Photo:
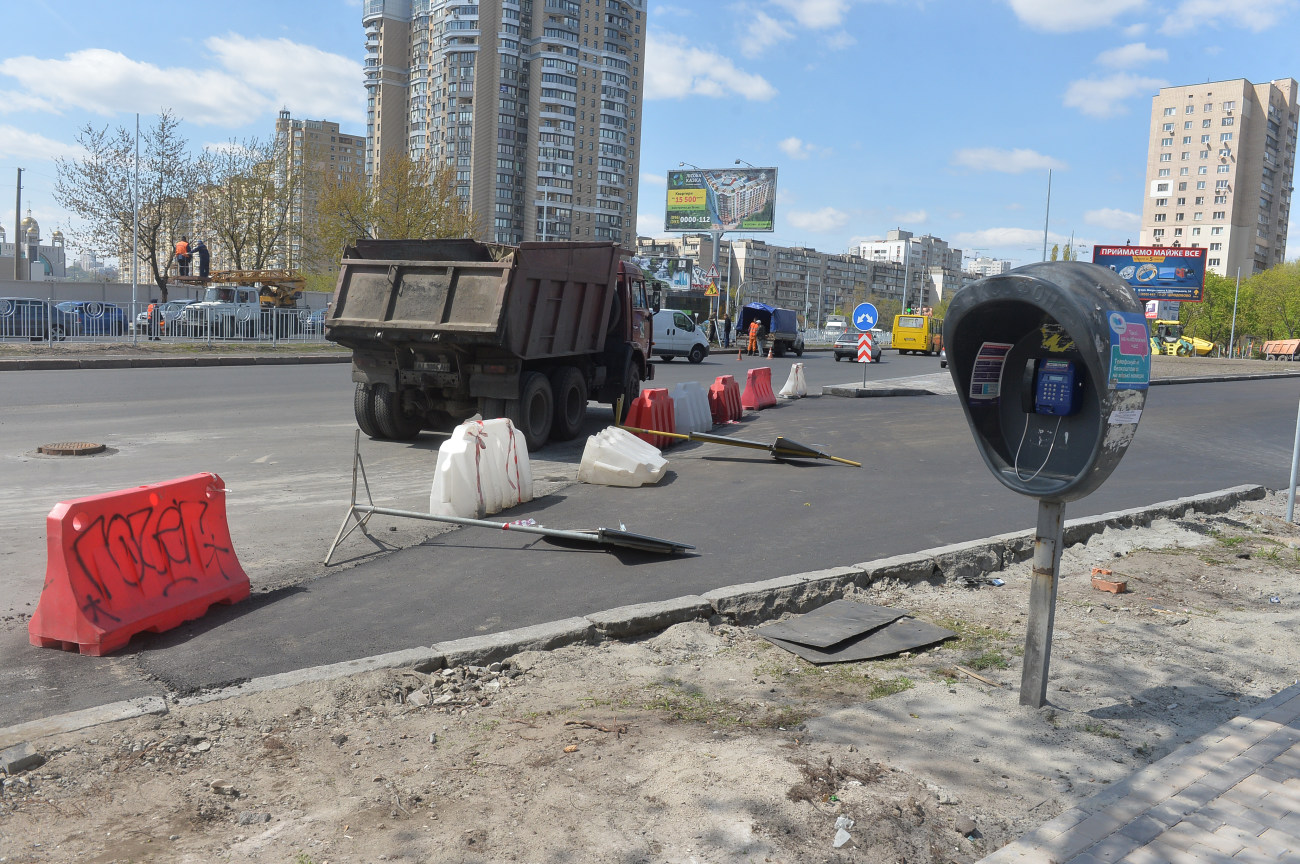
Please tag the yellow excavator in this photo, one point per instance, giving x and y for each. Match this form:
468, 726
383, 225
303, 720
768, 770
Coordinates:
1167, 338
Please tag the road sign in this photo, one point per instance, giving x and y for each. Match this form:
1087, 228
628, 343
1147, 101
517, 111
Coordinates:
713, 273
712, 290
864, 347
865, 316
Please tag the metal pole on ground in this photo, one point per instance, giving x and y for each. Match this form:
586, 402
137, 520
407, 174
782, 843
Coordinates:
1042, 603
18, 222
135, 236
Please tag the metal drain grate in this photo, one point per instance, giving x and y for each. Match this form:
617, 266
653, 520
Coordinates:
72, 448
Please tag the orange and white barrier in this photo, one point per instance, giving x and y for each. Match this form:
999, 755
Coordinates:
653, 409
147, 558
483, 468
724, 400
691, 408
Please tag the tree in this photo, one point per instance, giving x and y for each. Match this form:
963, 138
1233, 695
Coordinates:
1211, 319
1056, 252
410, 200
246, 201
1277, 294
98, 186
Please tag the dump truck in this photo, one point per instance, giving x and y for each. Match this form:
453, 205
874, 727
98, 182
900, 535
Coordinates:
1281, 349
441, 330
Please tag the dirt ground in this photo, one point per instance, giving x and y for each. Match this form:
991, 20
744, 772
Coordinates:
703, 743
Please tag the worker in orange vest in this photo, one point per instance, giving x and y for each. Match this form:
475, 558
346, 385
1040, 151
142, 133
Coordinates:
153, 320
183, 256
753, 337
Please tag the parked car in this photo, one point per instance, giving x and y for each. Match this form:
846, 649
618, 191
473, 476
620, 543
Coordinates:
29, 318
168, 313
314, 321
846, 345
93, 317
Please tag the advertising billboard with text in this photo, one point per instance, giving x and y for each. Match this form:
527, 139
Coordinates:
721, 199
1172, 273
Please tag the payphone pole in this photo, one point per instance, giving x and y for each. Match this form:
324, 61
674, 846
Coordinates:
1042, 603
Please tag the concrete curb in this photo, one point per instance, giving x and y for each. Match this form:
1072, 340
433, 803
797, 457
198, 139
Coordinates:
158, 362
745, 604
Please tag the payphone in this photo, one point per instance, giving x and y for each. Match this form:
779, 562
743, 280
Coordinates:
1051, 362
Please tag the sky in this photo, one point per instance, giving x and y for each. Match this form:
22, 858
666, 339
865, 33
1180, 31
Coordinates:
939, 117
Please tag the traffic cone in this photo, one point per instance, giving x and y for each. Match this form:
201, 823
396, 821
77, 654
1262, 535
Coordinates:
769, 351
740, 352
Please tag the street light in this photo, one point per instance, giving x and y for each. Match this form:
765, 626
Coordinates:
739, 161
689, 165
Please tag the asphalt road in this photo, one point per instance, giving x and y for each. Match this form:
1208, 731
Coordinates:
281, 438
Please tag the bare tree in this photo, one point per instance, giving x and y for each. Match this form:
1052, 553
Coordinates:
411, 199
246, 200
98, 186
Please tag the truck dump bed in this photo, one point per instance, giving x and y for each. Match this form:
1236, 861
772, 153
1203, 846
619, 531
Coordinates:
533, 301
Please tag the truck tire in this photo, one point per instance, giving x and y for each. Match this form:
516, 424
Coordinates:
696, 355
389, 416
778, 349
798, 352
363, 406
569, 391
631, 388
491, 409
534, 411
665, 357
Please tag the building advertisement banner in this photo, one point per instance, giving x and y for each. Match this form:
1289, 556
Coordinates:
721, 199
1169, 273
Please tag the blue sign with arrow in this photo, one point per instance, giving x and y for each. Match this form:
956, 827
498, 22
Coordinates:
865, 316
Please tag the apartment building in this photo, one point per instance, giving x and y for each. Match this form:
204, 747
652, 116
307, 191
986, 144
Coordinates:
536, 103
982, 267
793, 277
933, 268
1220, 169
313, 152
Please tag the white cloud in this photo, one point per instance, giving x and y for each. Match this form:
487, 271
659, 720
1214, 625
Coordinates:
1133, 31
1006, 161
1065, 16
309, 81
1113, 219
795, 148
1199, 15
654, 179
12, 101
816, 14
18, 143
1007, 239
1131, 55
912, 217
840, 40
261, 75
676, 70
649, 224
764, 31
1104, 97
825, 219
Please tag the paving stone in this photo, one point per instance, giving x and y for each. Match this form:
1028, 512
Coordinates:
20, 757
481, 650
625, 621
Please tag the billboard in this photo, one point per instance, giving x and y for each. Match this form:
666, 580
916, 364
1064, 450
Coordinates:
721, 199
1171, 273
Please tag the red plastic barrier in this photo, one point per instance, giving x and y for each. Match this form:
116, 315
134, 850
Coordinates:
147, 558
724, 400
758, 389
653, 409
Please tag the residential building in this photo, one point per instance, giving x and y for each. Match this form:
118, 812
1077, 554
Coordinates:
535, 102
312, 153
933, 267
814, 283
982, 267
1220, 170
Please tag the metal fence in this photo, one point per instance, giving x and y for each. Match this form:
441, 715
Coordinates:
32, 320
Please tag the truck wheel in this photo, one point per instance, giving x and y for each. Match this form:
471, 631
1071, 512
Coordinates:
363, 406
389, 417
696, 355
778, 349
491, 409
1184, 350
665, 357
798, 352
631, 389
533, 412
569, 390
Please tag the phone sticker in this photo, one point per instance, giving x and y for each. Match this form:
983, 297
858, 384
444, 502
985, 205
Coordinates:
1130, 351
986, 375
1118, 418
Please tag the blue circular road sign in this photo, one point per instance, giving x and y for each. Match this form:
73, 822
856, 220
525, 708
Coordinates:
865, 316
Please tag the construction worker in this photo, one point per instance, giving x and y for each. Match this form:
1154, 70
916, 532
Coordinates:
753, 337
199, 248
183, 256
153, 321
726, 331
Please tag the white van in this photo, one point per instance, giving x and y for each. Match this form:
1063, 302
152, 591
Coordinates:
676, 335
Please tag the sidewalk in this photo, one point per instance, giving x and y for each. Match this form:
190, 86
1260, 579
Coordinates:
1231, 795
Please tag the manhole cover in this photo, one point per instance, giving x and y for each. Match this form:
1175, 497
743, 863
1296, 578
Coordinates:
71, 448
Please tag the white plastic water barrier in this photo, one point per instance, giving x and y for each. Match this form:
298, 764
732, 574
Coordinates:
796, 386
616, 457
690, 408
482, 468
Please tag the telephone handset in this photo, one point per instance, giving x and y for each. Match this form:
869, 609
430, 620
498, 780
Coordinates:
1051, 387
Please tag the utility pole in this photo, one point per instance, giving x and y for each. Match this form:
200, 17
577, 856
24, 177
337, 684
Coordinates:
135, 234
1048, 216
18, 223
